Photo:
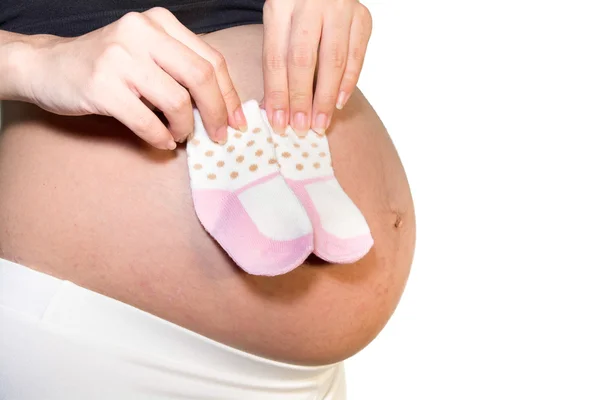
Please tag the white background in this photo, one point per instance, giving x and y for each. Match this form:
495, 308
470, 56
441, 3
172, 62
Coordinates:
494, 107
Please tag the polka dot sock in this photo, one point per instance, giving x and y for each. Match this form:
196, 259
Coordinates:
341, 232
243, 201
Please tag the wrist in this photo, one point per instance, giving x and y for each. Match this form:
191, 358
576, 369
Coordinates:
18, 64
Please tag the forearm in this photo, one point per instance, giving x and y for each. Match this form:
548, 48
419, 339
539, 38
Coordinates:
16, 63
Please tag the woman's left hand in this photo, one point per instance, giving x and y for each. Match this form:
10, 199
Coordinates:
298, 33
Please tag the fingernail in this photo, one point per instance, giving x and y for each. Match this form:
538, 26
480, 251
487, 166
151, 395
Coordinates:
221, 136
321, 123
171, 145
341, 100
279, 121
240, 119
300, 123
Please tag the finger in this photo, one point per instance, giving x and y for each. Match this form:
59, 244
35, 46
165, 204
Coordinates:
332, 63
302, 60
360, 32
127, 108
179, 32
163, 92
277, 19
199, 77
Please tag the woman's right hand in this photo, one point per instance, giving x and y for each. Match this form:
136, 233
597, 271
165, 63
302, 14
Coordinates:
142, 58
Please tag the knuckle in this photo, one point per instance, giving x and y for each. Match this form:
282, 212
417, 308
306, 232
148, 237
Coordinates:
268, 4
203, 72
350, 80
179, 101
364, 13
111, 57
144, 125
339, 4
159, 13
299, 97
337, 57
113, 52
326, 99
272, 7
268, 7
366, 19
356, 54
274, 62
277, 98
301, 56
218, 62
230, 95
132, 20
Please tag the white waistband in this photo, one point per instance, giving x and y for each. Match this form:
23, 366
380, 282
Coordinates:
82, 314
26, 290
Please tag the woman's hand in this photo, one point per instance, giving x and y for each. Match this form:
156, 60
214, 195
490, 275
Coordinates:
297, 34
141, 59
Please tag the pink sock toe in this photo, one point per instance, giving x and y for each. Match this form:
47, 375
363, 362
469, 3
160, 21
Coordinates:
328, 246
225, 218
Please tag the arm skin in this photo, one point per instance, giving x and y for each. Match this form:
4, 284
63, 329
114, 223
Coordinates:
14, 50
123, 70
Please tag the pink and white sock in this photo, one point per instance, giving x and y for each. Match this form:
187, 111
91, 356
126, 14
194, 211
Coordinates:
341, 232
243, 201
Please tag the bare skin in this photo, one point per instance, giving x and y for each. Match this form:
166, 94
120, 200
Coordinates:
83, 199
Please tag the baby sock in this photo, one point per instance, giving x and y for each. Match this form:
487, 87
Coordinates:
243, 201
341, 232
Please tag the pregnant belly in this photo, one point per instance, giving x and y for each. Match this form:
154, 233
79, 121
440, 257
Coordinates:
84, 200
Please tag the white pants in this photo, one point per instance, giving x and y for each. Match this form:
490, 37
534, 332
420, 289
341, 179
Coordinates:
59, 341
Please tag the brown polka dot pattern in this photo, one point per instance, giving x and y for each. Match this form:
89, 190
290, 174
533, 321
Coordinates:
303, 159
247, 156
